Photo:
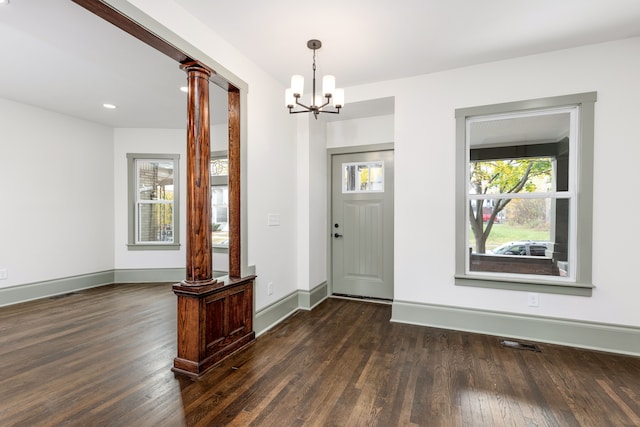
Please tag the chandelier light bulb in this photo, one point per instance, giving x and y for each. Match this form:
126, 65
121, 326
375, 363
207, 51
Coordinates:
297, 84
328, 85
338, 98
289, 99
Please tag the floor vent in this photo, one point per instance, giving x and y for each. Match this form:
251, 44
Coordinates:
519, 345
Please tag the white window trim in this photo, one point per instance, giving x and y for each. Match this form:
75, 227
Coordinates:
581, 189
132, 202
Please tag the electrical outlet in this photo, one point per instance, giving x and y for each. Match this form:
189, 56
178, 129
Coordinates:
4, 274
270, 288
533, 300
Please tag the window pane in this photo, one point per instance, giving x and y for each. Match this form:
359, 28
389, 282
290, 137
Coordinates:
362, 177
220, 214
219, 167
349, 178
155, 222
519, 236
532, 175
376, 177
155, 180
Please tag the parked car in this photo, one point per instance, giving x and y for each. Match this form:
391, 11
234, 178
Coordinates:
523, 248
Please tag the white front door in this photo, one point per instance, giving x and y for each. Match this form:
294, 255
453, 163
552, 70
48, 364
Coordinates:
362, 224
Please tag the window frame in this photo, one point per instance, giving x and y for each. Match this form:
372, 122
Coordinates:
132, 180
582, 281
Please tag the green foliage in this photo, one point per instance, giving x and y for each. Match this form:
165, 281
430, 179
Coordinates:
529, 212
508, 176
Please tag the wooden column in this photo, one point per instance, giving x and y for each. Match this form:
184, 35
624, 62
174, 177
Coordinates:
234, 182
199, 254
215, 318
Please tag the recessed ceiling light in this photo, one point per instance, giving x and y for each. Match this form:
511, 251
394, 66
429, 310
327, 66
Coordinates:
109, 106
4, 1
183, 88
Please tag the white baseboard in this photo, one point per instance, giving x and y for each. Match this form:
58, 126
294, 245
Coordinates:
307, 300
268, 317
48, 288
275, 313
588, 335
147, 275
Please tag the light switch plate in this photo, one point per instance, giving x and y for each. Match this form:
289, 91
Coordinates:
273, 220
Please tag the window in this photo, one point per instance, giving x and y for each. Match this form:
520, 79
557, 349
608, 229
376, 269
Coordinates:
363, 177
219, 200
524, 195
153, 201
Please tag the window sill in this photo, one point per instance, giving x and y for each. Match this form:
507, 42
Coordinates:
543, 286
159, 247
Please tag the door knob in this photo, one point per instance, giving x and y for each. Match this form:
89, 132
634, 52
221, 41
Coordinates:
337, 235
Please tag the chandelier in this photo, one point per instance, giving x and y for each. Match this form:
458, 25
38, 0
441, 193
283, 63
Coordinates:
318, 101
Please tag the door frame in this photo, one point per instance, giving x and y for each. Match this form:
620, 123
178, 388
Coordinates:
387, 146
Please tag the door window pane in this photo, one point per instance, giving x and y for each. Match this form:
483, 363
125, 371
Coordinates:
363, 177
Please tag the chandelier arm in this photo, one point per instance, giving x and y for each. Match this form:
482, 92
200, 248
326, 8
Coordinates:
302, 105
326, 103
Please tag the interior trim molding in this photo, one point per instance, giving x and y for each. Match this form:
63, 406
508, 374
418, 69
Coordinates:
582, 334
308, 300
269, 316
48, 288
143, 275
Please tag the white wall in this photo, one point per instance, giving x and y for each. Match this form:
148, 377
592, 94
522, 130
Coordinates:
56, 193
364, 131
147, 141
318, 227
311, 167
303, 197
271, 156
425, 163
154, 141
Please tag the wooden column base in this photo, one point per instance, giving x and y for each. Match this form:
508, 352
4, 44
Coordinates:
214, 321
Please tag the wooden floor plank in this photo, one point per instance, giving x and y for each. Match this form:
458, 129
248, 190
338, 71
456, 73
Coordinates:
103, 357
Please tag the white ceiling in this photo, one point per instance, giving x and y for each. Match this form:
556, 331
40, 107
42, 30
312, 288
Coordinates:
60, 57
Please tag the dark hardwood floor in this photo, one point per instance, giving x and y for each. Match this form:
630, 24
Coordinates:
103, 357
